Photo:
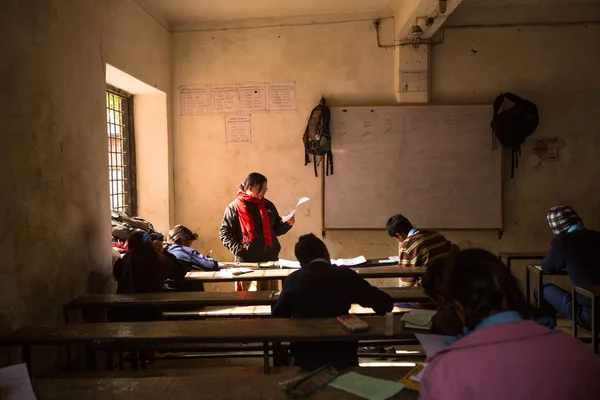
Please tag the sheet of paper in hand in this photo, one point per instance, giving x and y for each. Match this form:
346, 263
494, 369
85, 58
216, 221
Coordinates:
286, 217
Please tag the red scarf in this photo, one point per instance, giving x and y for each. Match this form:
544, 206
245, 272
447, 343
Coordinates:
246, 222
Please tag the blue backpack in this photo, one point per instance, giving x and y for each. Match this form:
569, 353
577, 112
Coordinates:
317, 139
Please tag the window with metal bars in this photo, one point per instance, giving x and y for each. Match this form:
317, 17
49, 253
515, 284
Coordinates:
121, 150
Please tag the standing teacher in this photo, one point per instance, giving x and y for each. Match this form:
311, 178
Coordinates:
251, 225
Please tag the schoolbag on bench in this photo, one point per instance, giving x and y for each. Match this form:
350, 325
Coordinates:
317, 139
513, 125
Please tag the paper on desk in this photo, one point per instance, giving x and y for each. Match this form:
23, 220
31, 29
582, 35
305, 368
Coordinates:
394, 258
367, 387
15, 383
286, 217
288, 264
431, 343
349, 261
420, 319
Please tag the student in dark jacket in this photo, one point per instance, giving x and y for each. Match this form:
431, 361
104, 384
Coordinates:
251, 225
139, 271
319, 289
575, 250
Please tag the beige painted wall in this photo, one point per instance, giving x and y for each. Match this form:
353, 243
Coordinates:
54, 214
555, 67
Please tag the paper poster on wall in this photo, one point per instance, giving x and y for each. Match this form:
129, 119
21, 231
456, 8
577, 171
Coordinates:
413, 81
253, 97
224, 98
194, 100
282, 96
238, 128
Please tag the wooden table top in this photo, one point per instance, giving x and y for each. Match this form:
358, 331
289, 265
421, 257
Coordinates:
277, 274
523, 255
590, 291
206, 299
221, 387
215, 331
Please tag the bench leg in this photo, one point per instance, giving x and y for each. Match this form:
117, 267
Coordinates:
574, 311
26, 356
595, 333
266, 358
120, 360
528, 286
540, 283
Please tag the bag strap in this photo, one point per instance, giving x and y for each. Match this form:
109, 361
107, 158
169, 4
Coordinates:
510, 96
315, 164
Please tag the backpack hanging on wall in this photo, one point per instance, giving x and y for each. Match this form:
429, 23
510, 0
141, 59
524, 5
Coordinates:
514, 125
317, 139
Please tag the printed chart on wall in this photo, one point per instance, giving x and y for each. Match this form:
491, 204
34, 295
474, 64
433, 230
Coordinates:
250, 97
238, 128
413, 81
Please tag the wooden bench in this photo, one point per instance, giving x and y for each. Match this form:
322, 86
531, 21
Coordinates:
508, 257
169, 301
539, 273
225, 386
136, 335
593, 293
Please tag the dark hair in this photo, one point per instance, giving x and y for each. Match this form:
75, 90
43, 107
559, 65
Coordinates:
398, 224
435, 278
310, 247
179, 234
481, 283
145, 266
254, 179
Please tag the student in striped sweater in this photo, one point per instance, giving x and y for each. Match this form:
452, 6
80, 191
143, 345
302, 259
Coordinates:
418, 247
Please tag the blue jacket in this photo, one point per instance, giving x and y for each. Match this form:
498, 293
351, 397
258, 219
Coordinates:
577, 253
193, 258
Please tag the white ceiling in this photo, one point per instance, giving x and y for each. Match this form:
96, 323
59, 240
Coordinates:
189, 11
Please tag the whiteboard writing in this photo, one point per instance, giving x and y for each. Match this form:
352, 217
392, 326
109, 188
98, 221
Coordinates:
253, 97
238, 128
282, 96
194, 100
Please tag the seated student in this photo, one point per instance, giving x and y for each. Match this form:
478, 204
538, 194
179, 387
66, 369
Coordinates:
173, 269
318, 290
180, 239
139, 271
418, 247
502, 354
575, 250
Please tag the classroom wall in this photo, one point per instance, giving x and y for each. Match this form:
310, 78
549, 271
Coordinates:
553, 66
54, 209
54, 212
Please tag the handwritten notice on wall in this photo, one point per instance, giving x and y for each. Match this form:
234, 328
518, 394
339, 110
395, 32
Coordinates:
195, 100
238, 128
238, 98
225, 99
253, 97
282, 96
413, 81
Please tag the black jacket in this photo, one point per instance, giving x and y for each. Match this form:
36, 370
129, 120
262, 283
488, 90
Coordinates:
231, 234
319, 290
578, 253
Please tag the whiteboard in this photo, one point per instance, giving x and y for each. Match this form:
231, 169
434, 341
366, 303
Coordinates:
437, 165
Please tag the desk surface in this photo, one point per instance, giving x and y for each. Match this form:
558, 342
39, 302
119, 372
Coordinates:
533, 255
277, 274
589, 291
538, 269
225, 386
206, 299
214, 331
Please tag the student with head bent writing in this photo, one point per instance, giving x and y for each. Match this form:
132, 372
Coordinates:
418, 247
502, 354
319, 289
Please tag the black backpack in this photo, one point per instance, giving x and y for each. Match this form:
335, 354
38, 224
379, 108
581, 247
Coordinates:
512, 126
317, 139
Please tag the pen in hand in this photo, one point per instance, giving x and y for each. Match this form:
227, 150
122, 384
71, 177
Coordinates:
208, 254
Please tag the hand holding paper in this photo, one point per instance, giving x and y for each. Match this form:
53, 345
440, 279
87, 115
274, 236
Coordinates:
290, 215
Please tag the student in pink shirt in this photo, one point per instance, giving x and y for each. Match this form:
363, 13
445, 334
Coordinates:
502, 354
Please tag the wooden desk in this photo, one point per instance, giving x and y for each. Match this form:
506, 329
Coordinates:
171, 300
593, 293
126, 335
508, 257
221, 387
281, 274
537, 270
